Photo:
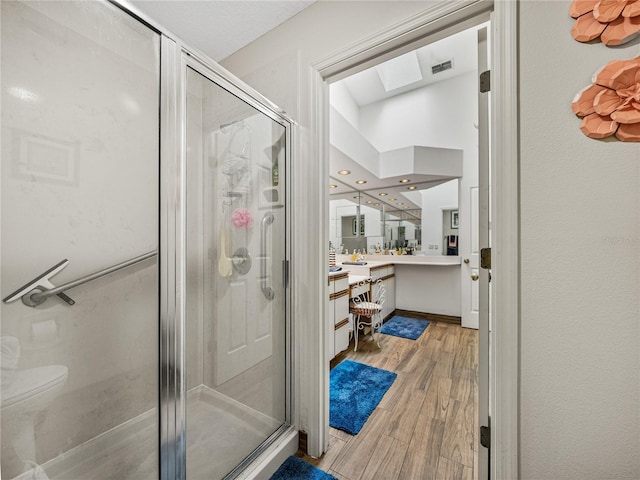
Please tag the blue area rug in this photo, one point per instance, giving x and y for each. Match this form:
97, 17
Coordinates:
295, 468
355, 391
404, 327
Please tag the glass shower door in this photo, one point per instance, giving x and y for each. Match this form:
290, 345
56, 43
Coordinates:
236, 300
79, 191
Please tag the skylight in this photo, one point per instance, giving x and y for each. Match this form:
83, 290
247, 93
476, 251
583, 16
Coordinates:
400, 71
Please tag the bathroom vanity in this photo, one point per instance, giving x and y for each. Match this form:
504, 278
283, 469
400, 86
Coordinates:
338, 313
351, 282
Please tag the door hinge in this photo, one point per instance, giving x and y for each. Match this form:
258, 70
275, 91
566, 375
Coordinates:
485, 81
485, 436
485, 258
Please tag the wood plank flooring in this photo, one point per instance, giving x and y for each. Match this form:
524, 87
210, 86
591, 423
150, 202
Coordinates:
425, 427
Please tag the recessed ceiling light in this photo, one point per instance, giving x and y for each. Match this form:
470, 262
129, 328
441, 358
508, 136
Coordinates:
412, 187
382, 194
369, 202
400, 203
361, 182
405, 180
333, 186
377, 204
392, 199
344, 172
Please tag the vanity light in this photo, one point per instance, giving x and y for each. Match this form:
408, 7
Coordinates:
344, 172
412, 187
405, 180
333, 186
361, 182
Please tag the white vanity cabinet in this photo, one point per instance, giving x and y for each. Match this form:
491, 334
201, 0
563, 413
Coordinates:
386, 273
338, 314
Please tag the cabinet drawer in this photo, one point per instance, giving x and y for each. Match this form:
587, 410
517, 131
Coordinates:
341, 306
341, 339
341, 284
378, 272
382, 271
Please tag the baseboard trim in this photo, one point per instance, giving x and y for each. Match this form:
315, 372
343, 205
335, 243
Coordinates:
302, 442
433, 317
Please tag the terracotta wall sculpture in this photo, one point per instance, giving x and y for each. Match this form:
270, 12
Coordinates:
611, 105
614, 22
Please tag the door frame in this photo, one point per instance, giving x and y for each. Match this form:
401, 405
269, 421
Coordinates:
438, 22
176, 56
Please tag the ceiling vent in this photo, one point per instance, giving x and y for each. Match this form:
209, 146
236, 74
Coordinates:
441, 67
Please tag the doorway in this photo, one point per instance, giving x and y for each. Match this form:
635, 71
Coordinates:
356, 109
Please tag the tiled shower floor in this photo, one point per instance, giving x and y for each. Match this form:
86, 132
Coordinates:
220, 433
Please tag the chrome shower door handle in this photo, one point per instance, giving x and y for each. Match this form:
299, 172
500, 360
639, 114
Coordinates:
38, 285
40, 288
264, 223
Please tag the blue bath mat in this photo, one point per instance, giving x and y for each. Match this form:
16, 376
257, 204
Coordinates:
404, 327
294, 468
355, 391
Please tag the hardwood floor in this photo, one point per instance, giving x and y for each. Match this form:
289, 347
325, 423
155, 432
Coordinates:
426, 425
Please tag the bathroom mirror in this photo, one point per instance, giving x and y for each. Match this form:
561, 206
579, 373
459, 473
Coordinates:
392, 217
360, 221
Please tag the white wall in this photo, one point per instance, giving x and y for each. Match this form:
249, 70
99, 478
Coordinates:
343, 102
579, 391
438, 115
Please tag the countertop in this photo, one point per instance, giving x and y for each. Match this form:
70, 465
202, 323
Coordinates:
374, 261
379, 260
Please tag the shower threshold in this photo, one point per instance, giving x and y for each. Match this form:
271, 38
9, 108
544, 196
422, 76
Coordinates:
221, 432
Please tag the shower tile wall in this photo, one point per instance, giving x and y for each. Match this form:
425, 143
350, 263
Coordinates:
79, 180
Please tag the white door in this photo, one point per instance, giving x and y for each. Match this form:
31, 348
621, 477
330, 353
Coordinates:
481, 240
470, 257
469, 222
471, 204
244, 219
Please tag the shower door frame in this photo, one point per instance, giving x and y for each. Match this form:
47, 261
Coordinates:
176, 57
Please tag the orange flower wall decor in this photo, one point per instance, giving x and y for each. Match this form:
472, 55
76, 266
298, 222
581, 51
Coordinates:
611, 105
614, 21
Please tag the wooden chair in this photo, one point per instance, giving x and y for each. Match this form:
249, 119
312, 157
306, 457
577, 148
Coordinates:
368, 312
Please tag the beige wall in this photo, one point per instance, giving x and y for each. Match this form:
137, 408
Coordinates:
579, 413
579, 390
